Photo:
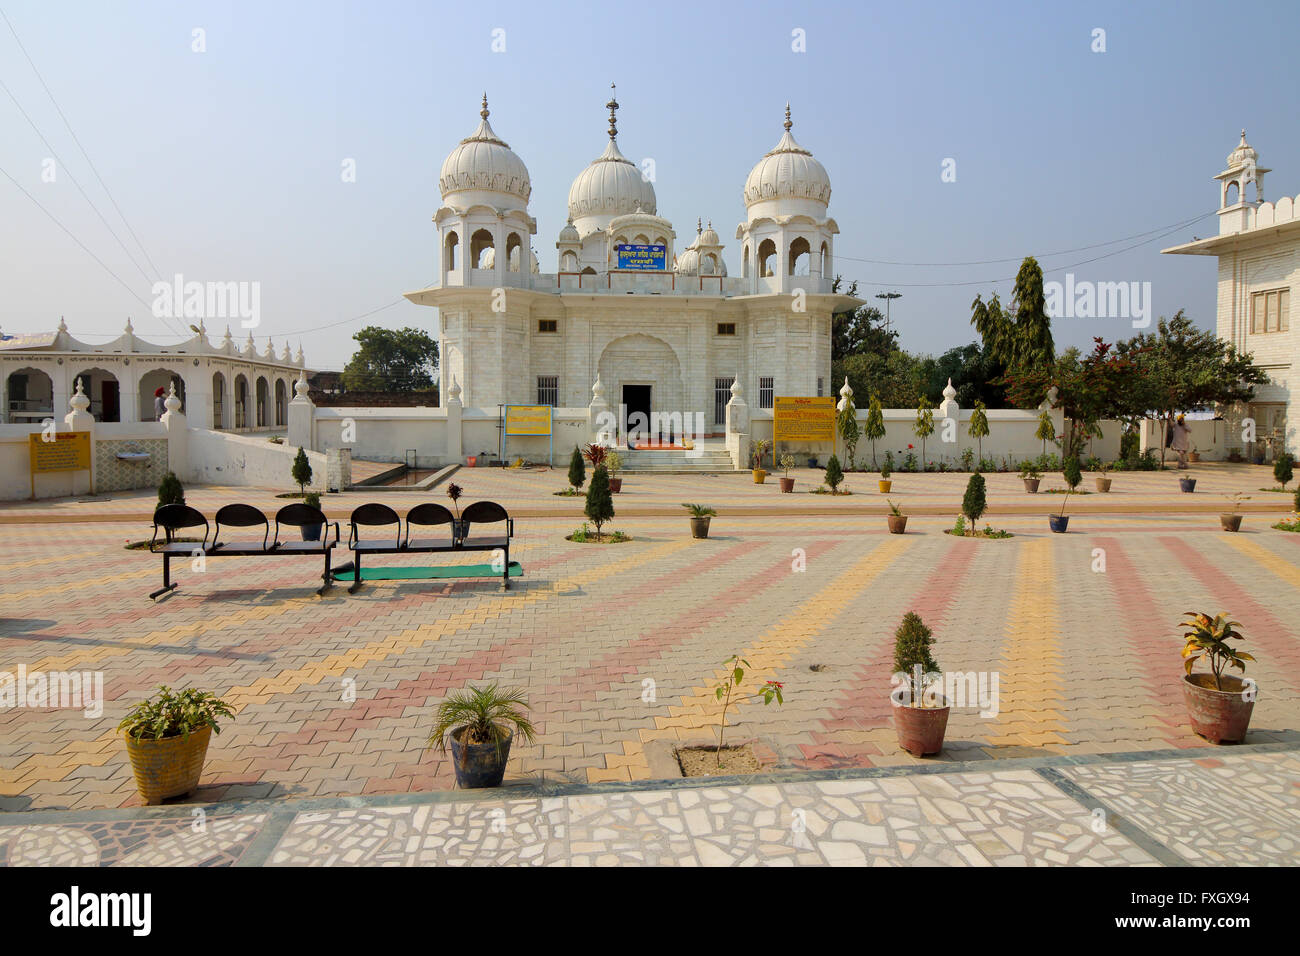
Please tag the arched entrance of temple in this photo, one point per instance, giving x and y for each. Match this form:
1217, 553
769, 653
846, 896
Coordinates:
642, 373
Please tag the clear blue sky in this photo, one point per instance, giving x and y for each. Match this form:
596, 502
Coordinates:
227, 163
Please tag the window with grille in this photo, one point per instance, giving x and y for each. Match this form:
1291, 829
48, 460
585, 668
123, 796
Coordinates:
820, 387
765, 389
726, 328
1270, 311
548, 325
721, 395
548, 390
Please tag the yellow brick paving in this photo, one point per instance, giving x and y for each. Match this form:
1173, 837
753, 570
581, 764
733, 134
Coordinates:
1271, 561
1030, 660
699, 708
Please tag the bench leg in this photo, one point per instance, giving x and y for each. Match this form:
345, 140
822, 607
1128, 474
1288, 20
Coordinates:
505, 575
167, 578
356, 570
326, 577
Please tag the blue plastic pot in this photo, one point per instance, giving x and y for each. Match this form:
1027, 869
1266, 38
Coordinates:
1058, 523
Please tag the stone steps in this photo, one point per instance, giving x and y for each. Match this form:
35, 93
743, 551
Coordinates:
676, 460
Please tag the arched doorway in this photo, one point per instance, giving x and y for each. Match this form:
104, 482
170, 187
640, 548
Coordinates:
281, 403
241, 401
153, 380
263, 400
218, 401
643, 374
101, 387
30, 396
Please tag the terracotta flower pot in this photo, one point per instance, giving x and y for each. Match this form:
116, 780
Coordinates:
759, 475
921, 729
699, 527
1031, 485
1230, 522
1187, 485
897, 523
885, 484
1194, 456
479, 765
471, 460
1217, 715
787, 485
615, 485
1103, 484
1058, 523
170, 767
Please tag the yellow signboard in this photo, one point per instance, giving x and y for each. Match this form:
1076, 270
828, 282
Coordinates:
66, 451
803, 419
528, 419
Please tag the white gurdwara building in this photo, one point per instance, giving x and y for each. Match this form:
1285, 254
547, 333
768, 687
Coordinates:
665, 329
1258, 248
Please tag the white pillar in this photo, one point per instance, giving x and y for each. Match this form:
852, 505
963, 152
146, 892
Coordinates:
455, 446
302, 415
738, 427
178, 448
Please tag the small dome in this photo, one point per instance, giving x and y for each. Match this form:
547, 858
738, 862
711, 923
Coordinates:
708, 237
688, 263
484, 162
1243, 153
788, 171
569, 233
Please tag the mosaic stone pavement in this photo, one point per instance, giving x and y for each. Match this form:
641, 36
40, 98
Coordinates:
1239, 809
618, 648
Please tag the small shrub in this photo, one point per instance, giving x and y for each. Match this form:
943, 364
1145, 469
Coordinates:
959, 526
488, 715
180, 714
301, 471
577, 470
834, 474
170, 491
973, 504
311, 498
967, 459
1282, 468
1072, 473
912, 658
600, 502
909, 462
887, 468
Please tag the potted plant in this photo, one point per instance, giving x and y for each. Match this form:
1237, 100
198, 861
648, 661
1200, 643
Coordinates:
167, 740
481, 724
700, 515
1031, 476
471, 461
757, 451
1218, 706
886, 470
311, 532
920, 709
1187, 485
1073, 475
897, 520
1194, 455
613, 465
812, 461
1103, 482
1231, 521
787, 483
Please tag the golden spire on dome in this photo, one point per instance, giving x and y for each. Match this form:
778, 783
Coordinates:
612, 105
484, 111
788, 124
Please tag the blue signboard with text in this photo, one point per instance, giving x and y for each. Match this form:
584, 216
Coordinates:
642, 258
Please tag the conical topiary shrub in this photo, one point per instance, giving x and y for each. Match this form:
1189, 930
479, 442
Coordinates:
170, 490
577, 470
600, 502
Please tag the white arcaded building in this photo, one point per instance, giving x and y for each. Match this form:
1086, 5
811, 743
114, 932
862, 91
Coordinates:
665, 328
1258, 248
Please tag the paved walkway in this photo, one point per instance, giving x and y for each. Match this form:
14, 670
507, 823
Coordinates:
1240, 807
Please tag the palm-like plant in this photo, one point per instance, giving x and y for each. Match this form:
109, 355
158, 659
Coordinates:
487, 714
1208, 638
700, 511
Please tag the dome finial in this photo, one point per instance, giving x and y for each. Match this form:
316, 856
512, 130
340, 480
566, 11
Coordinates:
484, 111
788, 124
699, 225
612, 105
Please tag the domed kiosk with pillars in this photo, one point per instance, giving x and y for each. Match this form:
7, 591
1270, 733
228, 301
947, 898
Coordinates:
666, 331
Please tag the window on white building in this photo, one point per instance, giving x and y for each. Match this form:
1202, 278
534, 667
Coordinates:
765, 389
548, 325
1270, 311
548, 390
726, 328
721, 395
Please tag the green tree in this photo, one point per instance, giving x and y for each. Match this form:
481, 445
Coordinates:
1071, 472
170, 491
847, 422
834, 474
973, 504
577, 470
875, 425
923, 427
1282, 470
979, 426
912, 643
301, 470
600, 502
1034, 347
391, 360
1046, 430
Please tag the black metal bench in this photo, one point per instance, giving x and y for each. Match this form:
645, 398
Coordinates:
172, 518
425, 516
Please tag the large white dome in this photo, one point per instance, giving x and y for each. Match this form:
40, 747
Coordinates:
788, 171
611, 186
483, 162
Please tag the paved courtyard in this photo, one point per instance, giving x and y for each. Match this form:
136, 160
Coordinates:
618, 648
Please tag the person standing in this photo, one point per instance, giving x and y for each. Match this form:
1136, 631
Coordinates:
159, 405
1181, 442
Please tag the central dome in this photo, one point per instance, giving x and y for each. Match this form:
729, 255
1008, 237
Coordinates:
611, 186
483, 162
788, 171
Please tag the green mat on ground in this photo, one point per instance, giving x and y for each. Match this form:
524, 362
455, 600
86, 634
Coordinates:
447, 571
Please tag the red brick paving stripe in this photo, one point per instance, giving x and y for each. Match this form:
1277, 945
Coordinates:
1280, 653
865, 704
